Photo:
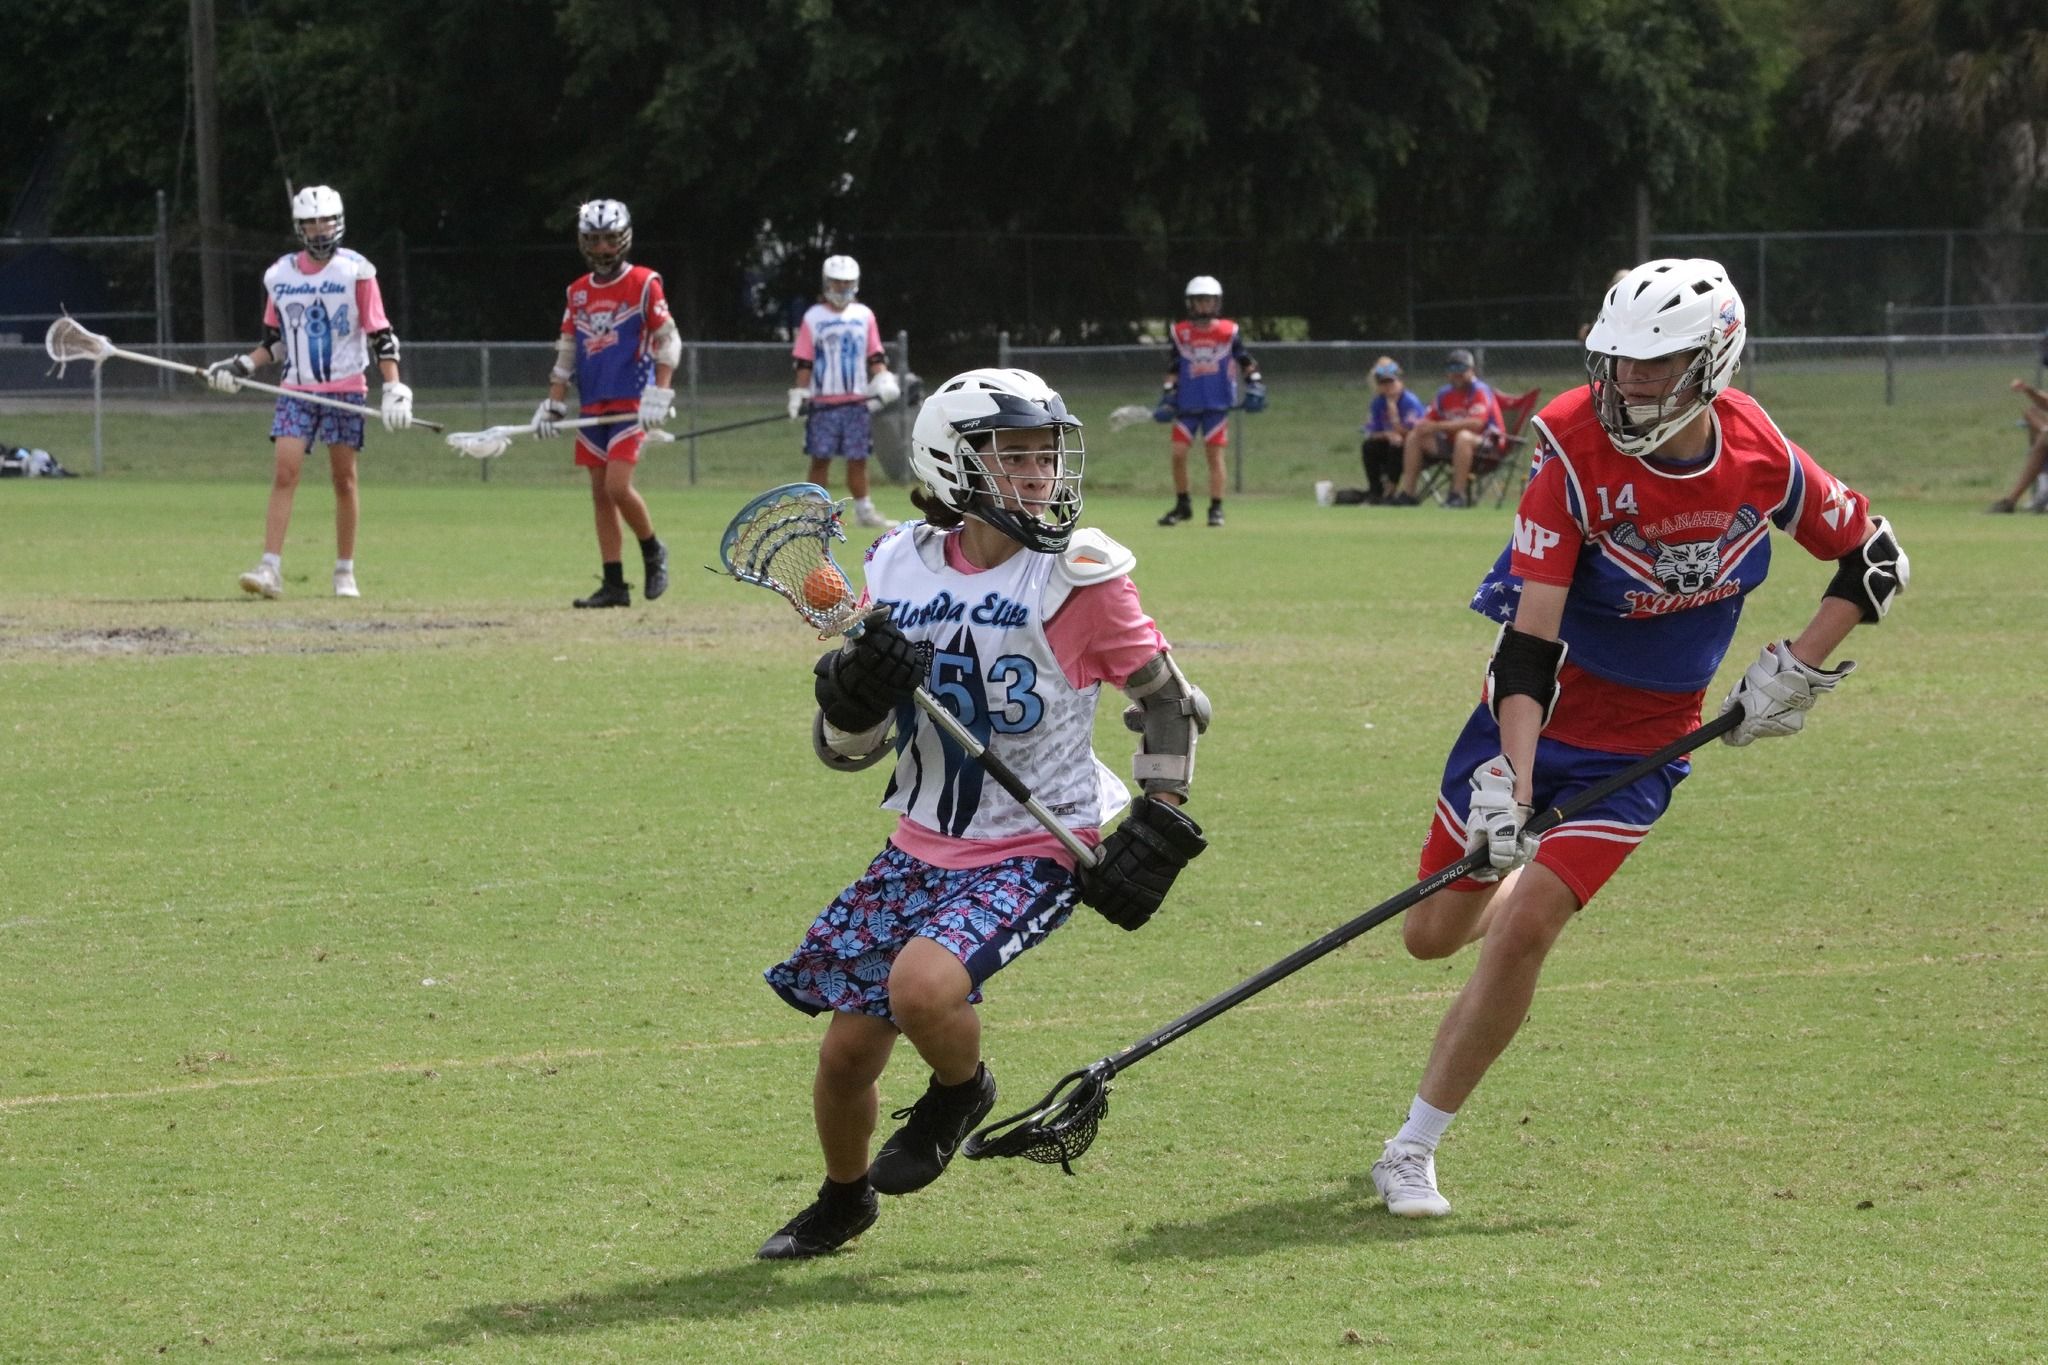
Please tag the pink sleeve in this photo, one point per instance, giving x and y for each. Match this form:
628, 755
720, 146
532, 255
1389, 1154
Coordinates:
805, 349
370, 305
1102, 634
270, 318
874, 336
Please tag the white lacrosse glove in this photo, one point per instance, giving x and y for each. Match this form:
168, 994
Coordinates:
798, 398
1494, 820
1776, 693
550, 411
397, 406
226, 376
655, 403
883, 390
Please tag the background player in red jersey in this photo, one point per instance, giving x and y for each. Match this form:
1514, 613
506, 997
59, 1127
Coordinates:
1207, 360
620, 346
1645, 524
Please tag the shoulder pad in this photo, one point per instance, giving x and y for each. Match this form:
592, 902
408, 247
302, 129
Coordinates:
928, 540
1092, 557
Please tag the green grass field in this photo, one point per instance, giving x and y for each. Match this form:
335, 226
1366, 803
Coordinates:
381, 979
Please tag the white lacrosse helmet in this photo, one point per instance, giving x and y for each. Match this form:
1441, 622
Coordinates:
953, 438
1204, 287
310, 204
841, 279
604, 234
1662, 308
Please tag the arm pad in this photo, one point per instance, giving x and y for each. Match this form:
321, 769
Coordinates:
668, 345
1169, 713
384, 345
1524, 665
1873, 573
847, 753
565, 361
273, 344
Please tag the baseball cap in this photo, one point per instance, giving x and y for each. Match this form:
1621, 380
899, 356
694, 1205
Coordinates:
1460, 359
1386, 369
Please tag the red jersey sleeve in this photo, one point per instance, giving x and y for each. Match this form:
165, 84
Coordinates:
1828, 517
1548, 536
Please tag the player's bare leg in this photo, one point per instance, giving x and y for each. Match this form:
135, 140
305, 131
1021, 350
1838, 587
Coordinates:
857, 479
341, 464
1182, 509
626, 503
610, 540
284, 486
928, 990
1495, 1000
1447, 921
845, 1102
820, 471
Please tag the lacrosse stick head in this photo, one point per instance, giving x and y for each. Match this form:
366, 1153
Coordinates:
481, 445
68, 340
782, 541
1056, 1130
1129, 415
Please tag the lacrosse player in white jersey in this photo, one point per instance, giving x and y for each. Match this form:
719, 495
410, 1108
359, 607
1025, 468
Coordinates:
323, 320
1012, 617
842, 377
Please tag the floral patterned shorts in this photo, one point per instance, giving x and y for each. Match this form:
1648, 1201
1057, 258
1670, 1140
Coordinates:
318, 424
984, 916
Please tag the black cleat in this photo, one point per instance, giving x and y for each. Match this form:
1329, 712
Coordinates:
1177, 514
828, 1224
657, 572
608, 595
1216, 515
919, 1152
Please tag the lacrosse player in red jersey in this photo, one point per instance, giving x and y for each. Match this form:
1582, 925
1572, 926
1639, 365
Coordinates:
1645, 524
620, 347
1203, 369
1014, 619
323, 320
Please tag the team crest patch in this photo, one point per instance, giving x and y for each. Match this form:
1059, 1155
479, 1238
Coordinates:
1688, 572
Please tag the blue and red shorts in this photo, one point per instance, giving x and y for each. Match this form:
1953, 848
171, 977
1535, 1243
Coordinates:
613, 443
984, 916
842, 429
318, 424
1210, 428
1585, 850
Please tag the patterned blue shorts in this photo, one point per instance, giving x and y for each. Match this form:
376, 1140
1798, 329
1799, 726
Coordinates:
984, 916
318, 424
839, 429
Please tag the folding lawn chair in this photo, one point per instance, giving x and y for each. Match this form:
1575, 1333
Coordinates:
1498, 469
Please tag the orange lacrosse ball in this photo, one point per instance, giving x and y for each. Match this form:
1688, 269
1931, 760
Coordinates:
824, 588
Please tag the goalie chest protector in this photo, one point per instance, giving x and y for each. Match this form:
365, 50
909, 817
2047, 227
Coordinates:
993, 668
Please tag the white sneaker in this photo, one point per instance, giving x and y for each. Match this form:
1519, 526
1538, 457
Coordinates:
869, 516
263, 581
345, 583
1405, 1176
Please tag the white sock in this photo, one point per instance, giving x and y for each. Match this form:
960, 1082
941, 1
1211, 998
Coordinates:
344, 566
271, 561
1425, 1125
864, 504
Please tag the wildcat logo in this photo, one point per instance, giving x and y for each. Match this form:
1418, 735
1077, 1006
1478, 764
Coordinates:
599, 332
1692, 572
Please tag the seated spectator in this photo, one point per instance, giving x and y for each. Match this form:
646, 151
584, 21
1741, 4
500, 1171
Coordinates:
1464, 421
1393, 413
2036, 417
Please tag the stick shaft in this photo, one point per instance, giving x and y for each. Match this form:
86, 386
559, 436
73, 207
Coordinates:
321, 400
1421, 891
1005, 778
729, 426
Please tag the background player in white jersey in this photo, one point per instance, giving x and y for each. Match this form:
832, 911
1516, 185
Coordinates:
620, 347
1014, 619
1646, 523
842, 376
323, 320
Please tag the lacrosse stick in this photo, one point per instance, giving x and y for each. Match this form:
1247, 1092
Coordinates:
782, 541
492, 442
1060, 1127
68, 341
1129, 415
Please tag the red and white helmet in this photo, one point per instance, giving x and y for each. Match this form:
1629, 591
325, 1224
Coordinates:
604, 234
841, 279
317, 204
952, 446
1662, 308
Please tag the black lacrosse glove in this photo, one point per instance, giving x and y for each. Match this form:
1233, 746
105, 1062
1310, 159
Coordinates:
860, 684
1135, 866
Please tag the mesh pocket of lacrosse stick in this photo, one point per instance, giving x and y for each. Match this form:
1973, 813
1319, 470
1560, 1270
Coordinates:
1055, 1131
68, 340
782, 541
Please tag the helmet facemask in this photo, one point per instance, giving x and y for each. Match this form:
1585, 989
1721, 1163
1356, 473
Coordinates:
840, 293
319, 236
1035, 507
1213, 308
605, 251
1639, 428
